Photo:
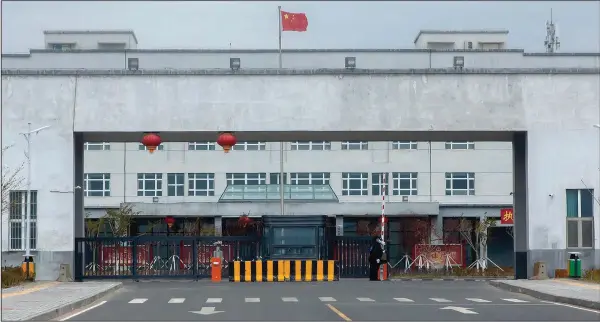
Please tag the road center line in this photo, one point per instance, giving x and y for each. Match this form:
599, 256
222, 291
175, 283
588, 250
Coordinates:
83, 311
338, 312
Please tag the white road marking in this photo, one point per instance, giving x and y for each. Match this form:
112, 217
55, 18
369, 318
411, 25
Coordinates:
83, 311
515, 301
327, 299
365, 299
573, 306
478, 300
459, 309
402, 299
138, 301
289, 299
440, 300
177, 300
214, 300
252, 300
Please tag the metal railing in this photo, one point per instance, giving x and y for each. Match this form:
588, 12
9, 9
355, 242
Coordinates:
158, 256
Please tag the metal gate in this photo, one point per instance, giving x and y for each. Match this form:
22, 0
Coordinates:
157, 256
352, 254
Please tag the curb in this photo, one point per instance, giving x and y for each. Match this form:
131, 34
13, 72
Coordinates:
547, 297
68, 308
481, 279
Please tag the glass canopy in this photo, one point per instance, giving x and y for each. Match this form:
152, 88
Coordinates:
270, 192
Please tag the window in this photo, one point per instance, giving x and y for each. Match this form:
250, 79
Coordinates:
201, 146
310, 145
274, 178
97, 184
460, 184
250, 146
175, 185
17, 219
145, 148
62, 47
460, 145
377, 184
104, 146
355, 184
309, 178
404, 183
250, 179
404, 145
299, 242
201, 184
580, 218
111, 46
355, 145
150, 184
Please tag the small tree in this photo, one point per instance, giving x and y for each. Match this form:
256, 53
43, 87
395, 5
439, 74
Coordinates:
119, 220
11, 180
476, 233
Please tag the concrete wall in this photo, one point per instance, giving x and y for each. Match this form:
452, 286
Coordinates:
459, 39
87, 40
558, 112
296, 59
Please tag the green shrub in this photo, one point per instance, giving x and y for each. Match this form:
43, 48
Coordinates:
12, 276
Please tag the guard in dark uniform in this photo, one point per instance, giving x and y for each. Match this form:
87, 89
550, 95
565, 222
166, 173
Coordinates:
375, 254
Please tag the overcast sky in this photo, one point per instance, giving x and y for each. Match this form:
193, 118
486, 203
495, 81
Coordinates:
335, 24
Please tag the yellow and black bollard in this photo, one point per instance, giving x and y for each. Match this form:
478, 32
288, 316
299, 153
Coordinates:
28, 268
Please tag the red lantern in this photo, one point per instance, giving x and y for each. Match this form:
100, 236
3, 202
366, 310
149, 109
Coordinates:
226, 140
151, 141
244, 220
170, 221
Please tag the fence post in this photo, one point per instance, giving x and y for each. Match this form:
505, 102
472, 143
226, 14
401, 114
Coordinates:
134, 257
77, 262
195, 257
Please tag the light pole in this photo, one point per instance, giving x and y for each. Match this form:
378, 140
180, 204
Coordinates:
27, 135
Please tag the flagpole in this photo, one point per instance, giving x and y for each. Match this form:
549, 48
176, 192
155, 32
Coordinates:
281, 145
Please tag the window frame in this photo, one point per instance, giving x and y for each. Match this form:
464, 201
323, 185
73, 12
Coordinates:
207, 178
314, 178
405, 145
377, 187
175, 184
158, 184
310, 145
202, 146
347, 179
460, 145
355, 145
250, 146
580, 220
93, 146
275, 175
17, 220
469, 176
399, 177
233, 181
142, 147
105, 179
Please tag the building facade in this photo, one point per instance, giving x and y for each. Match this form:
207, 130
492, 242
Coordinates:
441, 181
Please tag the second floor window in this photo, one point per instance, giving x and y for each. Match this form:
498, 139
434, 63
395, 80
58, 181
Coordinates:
97, 146
250, 146
377, 184
201, 146
149, 184
460, 145
460, 184
355, 145
201, 184
404, 145
175, 184
310, 145
145, 148
97, 184
404, 183
309, 178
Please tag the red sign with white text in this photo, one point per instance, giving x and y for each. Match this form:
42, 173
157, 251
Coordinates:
507, 216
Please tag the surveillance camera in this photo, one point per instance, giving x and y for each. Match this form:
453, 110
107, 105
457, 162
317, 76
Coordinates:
550, 195
77, 187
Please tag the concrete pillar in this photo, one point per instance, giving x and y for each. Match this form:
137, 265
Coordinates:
218, 226
437, 230
339, 225
519, 147
78, 206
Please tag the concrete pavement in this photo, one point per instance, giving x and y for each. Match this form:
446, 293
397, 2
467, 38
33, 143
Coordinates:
346, 300
557, 290
47, 300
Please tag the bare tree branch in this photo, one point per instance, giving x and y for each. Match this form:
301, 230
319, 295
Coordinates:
11, 180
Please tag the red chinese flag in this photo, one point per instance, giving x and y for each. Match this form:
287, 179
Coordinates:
293, 21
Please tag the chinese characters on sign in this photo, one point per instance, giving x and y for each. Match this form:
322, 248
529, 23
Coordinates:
506, 216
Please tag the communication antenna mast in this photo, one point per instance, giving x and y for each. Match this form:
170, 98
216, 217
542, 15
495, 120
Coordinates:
552, 42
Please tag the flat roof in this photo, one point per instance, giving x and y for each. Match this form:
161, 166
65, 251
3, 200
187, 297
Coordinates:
467, 31
92, 32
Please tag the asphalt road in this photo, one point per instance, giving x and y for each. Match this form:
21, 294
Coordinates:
347, 300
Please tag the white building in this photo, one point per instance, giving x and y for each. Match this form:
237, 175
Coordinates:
340, 177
